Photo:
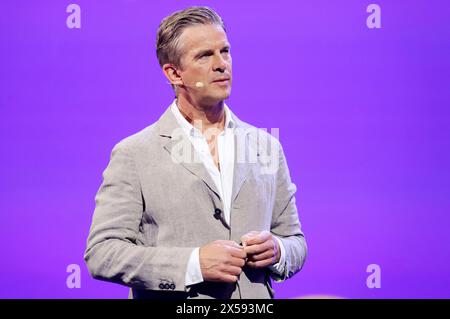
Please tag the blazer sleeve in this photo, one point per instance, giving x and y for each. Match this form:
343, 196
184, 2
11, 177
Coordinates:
285, 221
115, 250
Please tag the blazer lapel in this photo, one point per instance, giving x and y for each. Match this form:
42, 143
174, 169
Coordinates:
181, 149
242, 156
184, 153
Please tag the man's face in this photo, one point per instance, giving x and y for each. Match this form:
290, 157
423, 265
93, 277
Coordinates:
205, 58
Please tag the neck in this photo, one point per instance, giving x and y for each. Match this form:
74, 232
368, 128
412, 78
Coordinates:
202, 117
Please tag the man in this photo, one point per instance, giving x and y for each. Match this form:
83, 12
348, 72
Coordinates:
199, 204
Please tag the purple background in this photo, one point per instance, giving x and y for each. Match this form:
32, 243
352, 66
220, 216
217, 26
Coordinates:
363, 115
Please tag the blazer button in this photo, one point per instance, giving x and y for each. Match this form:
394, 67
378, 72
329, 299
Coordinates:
161, 286
172, 286
217, 213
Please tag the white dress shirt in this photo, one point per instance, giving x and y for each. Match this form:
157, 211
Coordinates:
222, 178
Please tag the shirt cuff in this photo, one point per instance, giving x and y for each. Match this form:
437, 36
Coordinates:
194, 273
280, 266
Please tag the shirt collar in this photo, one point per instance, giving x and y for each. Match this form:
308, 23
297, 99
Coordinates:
190, 129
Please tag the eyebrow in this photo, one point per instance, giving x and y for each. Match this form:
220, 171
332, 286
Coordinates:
209, 51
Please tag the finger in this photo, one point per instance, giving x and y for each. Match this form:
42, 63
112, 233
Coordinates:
231, 243
276, 250
237, 262
248, 235
232, 270
228, 278
268, 254
258, 249
254, 249
237, 252
259, 238
260, 263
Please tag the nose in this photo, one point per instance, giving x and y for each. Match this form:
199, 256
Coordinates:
220, 64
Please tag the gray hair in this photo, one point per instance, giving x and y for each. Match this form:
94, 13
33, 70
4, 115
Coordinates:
171, 28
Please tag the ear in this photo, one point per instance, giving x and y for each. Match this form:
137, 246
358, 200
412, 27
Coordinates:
172, 74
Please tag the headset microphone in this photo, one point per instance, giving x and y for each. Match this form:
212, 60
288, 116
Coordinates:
198, 85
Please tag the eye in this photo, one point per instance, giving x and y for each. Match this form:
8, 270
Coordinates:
204, 56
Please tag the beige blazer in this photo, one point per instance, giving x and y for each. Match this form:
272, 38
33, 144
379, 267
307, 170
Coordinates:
157, 203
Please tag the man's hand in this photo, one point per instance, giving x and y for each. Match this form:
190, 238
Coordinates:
262, 249
222, 260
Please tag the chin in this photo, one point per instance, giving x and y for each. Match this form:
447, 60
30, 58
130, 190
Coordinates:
218, 97
224, 94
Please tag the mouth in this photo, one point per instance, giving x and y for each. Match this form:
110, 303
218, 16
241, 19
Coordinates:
222, 81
